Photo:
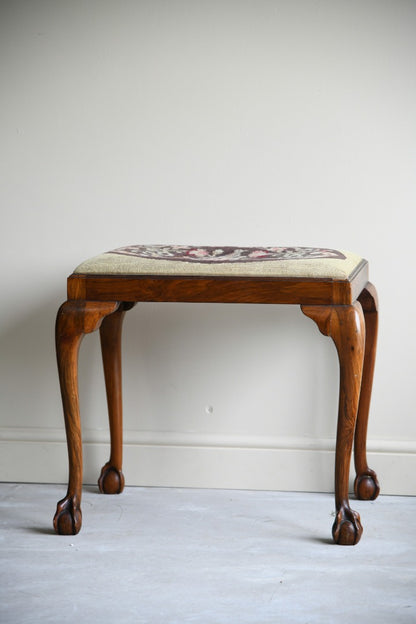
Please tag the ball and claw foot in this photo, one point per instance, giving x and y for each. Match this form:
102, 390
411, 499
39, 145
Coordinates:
366, 486
68, 516
111, 480
347, 529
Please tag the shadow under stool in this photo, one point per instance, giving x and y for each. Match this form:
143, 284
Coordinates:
331, 287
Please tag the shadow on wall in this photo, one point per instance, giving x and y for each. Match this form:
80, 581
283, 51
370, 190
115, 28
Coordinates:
262, 369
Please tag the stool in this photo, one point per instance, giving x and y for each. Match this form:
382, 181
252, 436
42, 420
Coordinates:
331, 287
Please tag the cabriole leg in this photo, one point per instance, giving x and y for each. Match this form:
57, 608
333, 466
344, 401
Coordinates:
75, 319
111, 480
366, 486
345, 325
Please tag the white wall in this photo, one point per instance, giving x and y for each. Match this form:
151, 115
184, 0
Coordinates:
236, 122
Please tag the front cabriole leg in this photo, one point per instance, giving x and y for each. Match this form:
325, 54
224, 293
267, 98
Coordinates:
75, 319
345, 325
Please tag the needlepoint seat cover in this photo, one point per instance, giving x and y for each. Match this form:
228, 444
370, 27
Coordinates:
301, 262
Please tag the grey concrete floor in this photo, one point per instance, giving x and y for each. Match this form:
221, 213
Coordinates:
158, 555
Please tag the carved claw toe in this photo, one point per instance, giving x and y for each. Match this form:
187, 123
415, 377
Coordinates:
366, 486
111, 480
68, 516
347, 529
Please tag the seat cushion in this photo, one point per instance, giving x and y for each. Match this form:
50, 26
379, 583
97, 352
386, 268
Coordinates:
298, 262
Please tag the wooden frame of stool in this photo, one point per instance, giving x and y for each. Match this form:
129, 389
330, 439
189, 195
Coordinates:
344, 309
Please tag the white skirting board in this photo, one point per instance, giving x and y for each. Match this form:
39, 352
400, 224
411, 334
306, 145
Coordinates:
192, 460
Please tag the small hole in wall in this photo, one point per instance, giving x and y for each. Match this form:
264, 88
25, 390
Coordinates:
209, 409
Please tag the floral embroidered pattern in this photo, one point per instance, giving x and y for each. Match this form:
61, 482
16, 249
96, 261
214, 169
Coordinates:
210, 255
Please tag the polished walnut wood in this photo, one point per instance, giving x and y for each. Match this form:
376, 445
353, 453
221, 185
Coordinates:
111, 480
345, 325
345, 310
195, 289
74, 320
366, 486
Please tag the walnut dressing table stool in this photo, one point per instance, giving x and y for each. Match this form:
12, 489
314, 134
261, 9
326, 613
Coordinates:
331, 287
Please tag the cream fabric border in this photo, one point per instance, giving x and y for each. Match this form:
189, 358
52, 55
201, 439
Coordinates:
115, 264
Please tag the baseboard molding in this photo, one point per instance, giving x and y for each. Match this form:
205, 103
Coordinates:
206, 461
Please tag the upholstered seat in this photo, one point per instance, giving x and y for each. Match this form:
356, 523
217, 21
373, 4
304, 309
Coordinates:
331, 287
309, 262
